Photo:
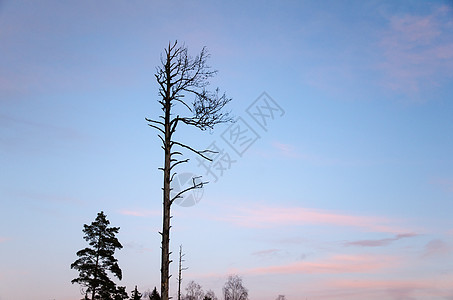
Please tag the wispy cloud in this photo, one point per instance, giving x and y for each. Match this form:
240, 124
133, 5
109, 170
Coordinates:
267, 252
138, 247
333, 265
260, 216
395, 289
3, 239
140, 213
286, 150
380, 242
418, 51
444, 183
436, 248
290, 151
24, 135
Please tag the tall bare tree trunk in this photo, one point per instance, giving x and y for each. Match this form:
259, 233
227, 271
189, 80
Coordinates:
165, 277
178, 76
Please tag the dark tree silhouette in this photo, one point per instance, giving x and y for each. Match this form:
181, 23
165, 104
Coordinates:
154, 295
118, 294
210, 295
234, 289
135, 294
178, 77
94, 261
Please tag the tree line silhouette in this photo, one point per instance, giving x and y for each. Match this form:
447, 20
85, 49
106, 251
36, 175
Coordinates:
96, 265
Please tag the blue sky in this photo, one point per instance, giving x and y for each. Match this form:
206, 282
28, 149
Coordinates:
346, 194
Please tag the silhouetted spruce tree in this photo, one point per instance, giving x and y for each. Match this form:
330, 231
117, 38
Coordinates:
116, 293
154, 295
135, 294
94, 261
179, 77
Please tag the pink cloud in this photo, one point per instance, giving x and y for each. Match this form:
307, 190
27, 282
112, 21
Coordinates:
334, 265
436, 248
418, 51
348, 277
141, 213
3, 239
414, 29
270, 216
428, 288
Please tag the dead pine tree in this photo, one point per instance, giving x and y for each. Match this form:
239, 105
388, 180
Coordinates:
180, 269
179, 77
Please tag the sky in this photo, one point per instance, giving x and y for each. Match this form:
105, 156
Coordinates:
340, 185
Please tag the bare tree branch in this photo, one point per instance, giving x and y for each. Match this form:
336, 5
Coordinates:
200, 153
179, 162
194, 186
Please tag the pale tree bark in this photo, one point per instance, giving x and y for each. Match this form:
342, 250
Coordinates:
179, 77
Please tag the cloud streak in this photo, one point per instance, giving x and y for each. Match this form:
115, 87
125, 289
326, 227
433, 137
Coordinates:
339, 264
436, 248
267, 252
429, 288
380, 242
271, 216
137, 247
